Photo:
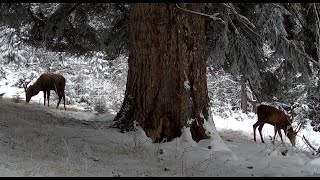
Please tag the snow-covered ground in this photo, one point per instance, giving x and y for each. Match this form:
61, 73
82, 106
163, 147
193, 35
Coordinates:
43, 141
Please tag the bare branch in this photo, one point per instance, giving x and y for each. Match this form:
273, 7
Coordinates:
299, 126
317, 151
213, 17
233, 26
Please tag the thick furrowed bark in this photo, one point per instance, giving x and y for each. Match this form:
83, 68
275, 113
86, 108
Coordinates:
166, 83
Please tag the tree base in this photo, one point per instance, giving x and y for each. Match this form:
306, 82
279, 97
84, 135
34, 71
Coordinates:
198, 132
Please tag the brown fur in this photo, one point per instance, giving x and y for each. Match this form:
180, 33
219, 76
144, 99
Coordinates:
45, 83
277, 118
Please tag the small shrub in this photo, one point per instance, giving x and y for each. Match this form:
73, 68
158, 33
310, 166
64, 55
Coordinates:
100, 105
16, 98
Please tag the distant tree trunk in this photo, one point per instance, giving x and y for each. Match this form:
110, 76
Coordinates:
166, 84
254, 98
244, 97
254, 107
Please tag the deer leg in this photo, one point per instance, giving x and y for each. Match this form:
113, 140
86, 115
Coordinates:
279, 131
48, 92
44, 97
275, 133
64, 100
60, 97
258, 123
260, 131
254, 130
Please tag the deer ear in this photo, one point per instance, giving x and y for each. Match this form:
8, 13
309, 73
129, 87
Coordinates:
25, 87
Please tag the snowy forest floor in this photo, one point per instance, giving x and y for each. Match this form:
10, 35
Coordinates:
44, 141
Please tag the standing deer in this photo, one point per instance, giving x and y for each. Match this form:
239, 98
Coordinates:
45, 83
277, 118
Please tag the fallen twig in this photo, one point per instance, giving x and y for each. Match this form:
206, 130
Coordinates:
317, 151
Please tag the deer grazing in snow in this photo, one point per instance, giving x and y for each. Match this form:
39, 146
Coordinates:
45, 83
277, 118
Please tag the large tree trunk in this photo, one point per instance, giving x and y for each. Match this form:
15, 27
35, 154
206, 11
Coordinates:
166, 84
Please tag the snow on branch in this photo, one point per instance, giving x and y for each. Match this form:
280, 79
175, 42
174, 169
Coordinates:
317, 29
245, 23
282, 9
290, 42
233, 26
242, 18
213, 17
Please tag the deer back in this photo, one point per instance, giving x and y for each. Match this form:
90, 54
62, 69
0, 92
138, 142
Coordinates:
50, 82
272, 116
